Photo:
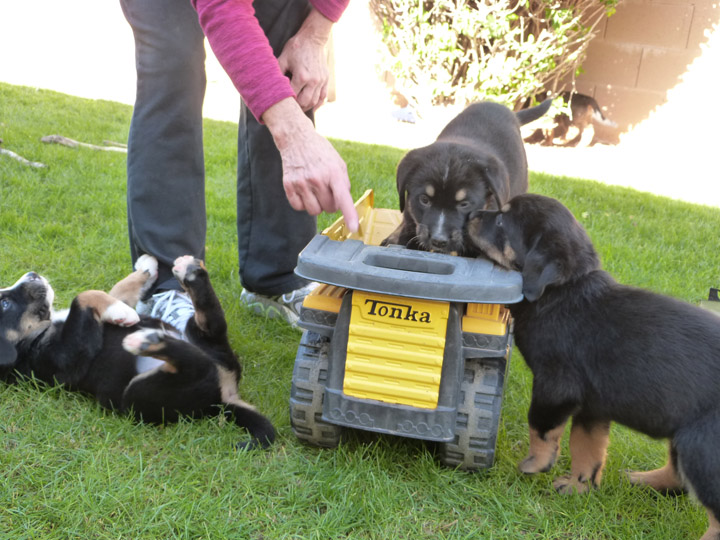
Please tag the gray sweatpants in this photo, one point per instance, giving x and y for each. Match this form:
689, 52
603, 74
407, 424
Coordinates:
165, 165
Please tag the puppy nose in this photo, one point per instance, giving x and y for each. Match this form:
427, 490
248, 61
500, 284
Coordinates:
439, 243
32, 276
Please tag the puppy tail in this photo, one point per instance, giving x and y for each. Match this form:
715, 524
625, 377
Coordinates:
600, 118
261, 430
526, 116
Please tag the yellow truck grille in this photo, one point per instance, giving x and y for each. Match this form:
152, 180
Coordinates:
489, 319
395, 349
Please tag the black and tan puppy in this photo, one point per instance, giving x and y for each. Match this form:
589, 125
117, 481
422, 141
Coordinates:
132, 364
601, 352
479, 155
586, 112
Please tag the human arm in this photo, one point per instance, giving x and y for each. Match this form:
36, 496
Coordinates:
304, 60
243, 50
314, 175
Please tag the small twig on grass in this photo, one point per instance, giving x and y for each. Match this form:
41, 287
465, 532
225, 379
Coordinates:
21, 159
113, 143
65, 141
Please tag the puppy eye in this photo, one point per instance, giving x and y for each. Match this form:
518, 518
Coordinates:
424, 200
5, 304
464, 206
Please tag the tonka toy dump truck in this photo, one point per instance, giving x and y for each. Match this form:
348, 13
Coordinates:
402, 342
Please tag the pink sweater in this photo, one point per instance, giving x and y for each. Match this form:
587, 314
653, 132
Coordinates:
244, 52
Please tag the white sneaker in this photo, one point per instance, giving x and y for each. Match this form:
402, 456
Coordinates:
284, 306
173, 307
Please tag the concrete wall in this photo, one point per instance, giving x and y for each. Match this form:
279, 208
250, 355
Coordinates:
642, 51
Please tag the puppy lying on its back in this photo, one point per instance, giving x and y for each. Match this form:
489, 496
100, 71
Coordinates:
601, 352
478, 157
129, 363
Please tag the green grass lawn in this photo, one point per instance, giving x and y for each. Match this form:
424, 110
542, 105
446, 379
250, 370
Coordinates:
72, 470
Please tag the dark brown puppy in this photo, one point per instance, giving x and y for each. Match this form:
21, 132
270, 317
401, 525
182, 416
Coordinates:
132, 364
477, 157
603, 352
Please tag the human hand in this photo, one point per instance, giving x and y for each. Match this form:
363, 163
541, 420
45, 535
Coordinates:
304, 60
315, 177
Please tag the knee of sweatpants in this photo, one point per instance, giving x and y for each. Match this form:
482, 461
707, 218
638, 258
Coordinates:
168, 36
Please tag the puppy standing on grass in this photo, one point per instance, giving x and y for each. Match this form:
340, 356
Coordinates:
477, 157
602, 352
137, 365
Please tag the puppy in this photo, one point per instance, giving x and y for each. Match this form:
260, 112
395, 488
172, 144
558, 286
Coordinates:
586, 112
601, 352
478, 154
133, 364
546, 136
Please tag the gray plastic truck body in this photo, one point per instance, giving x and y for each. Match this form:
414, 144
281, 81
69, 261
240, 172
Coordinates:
400, 271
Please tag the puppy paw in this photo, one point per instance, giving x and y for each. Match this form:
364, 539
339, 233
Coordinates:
120, 314
143, 341
664, 480
567, 485
639, 478
148, 264
533, 464
186, 268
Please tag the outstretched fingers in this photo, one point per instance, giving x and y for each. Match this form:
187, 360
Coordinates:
345, 203
321, 185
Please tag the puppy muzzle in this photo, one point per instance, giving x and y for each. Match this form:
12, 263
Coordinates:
36, 287
444, 243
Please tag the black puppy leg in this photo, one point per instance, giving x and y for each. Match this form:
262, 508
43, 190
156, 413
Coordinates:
547, 421
186, 384
209, 316
543, 450
208, 328
190, 383
179, 355
698, 463
665, 479
546, 430
588, 445
548, 414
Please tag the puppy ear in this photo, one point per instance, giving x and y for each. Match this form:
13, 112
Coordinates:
405, 171
498, 181
537, 274
8, 354
475, 213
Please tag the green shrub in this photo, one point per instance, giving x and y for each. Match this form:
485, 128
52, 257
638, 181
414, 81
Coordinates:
457, 51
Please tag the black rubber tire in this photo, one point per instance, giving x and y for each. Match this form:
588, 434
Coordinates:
307, 390
478, 416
